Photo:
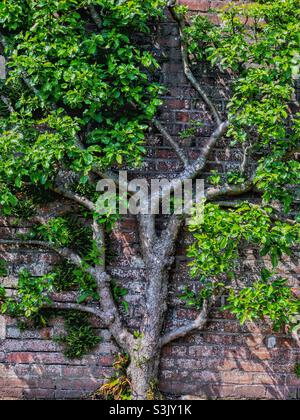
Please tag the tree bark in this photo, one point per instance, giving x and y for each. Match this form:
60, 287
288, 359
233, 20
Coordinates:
143, 372
145, 355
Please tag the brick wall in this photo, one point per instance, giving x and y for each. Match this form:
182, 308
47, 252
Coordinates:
226, 361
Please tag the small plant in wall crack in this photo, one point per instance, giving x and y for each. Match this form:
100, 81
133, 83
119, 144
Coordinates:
80, 337
119, 294
117, 387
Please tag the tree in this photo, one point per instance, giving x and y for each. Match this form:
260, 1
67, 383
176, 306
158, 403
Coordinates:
78, 100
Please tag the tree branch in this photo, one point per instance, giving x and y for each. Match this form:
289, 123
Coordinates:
148, 234
195, 168
276, 217
63, 252
228, 190
3, 41
170, 234
187, 70
109, 307
83, 201
8, 103
99, 238
245, 160
96, 18
216, 135
186, 330
179, 151
75, 307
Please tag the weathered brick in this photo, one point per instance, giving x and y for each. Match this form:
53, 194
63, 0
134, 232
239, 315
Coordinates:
39, 394
197, 5
226, 361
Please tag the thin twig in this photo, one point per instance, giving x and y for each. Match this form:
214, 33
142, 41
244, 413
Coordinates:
228, 190
96, 17
75, 307
186, 330
63, 252
179, 151
83, 201
8, 103
187, 70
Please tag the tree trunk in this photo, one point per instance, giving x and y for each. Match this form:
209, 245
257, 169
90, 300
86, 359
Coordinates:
143, 374
145, 357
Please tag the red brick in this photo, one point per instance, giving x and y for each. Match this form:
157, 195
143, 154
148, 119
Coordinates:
39, 394
226, 360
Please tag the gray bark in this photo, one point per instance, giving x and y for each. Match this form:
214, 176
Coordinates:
145, 354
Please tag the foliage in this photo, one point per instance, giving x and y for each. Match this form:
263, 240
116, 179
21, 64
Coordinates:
3, 268
69, 231
265, 298
68, 82
216, 253
119, 294
297, 370
81, 96
70, 277
218, 240
118, 386
80, 337
235, 178
215, 178
2, 294
263, 60
32, 295
196, 299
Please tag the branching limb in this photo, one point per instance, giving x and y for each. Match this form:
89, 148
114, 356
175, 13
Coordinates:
112, 315
57, 210
63, 306
96, 18
195, 169
245, 160
186, 330
179, 151
8, 103
170, 234
109, 313
83, 201
66, 253
3, 41
99, 238
228, 190
148, 234
187, 70
278, 217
